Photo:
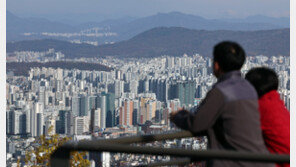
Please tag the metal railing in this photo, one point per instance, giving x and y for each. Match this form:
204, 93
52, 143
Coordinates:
61, 157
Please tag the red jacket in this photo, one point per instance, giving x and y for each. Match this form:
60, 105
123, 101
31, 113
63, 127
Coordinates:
275, 124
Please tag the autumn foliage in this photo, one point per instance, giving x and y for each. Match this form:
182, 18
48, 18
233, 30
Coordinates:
44, 146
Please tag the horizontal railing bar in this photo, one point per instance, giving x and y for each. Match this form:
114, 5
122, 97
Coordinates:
143, 138
58, 158
182, 161
197, 155
62, 155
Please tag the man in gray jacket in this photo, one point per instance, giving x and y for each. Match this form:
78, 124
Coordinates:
229, 113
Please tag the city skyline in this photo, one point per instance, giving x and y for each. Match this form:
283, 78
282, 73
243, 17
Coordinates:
135, 96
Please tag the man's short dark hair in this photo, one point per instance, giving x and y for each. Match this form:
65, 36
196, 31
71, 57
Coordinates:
229, 55
263, 79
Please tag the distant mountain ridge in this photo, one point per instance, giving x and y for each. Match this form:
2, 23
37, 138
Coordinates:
174, 41
128, 27
177, 19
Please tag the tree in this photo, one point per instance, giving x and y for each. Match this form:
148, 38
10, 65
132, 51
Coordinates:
46, 145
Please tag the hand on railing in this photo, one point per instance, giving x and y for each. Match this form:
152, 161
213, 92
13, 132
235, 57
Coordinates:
174, 113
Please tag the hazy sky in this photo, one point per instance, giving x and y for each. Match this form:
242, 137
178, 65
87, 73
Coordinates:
139, 8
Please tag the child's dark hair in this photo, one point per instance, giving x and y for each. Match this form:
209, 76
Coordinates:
263, 79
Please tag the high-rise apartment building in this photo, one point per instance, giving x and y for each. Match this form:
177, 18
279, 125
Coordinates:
35, 127
133, 86
81, 125
95, 119
184, 91
61, 123
119, 88
40, 124
126, 113
16, 122
147, 109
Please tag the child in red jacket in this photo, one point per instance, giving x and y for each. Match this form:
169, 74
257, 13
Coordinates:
275, 118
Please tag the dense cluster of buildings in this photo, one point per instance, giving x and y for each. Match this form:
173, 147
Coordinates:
31, 56
134, 98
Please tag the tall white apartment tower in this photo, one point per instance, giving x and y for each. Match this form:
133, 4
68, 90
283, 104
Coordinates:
75, 105
119, 88
134, 86
103, 112
40, 124
81, 125
38, 108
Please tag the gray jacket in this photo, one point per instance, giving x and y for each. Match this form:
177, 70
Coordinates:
230, 118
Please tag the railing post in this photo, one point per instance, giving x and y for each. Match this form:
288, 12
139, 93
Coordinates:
61, 157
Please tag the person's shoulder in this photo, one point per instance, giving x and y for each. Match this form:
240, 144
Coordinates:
214, 94
237, 89
215, 91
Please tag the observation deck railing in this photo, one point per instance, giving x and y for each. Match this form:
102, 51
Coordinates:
61, 157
